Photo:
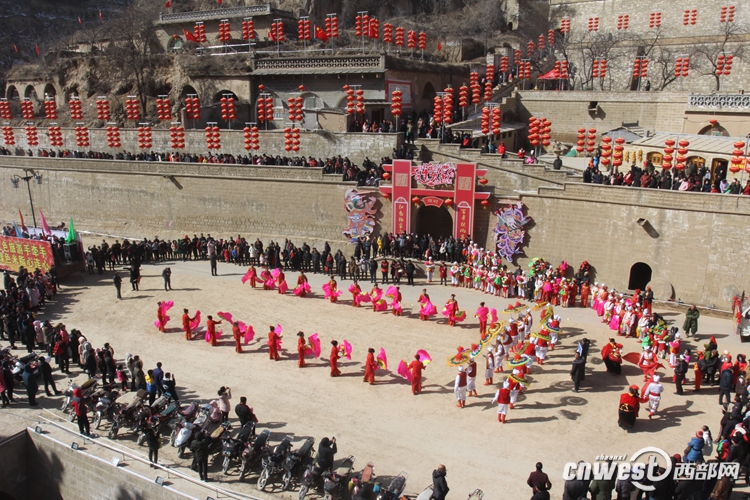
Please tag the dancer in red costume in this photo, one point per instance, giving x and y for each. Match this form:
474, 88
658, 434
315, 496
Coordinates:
334, 359
273, 339
301, 345
370, 366
186, 324
211, 329
356, 291
416, 367
251, 275
303, 287
452, 312
237, 334
502, 398
481, 314
428, 308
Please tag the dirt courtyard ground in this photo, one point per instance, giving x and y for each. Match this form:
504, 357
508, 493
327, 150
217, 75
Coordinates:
385, 424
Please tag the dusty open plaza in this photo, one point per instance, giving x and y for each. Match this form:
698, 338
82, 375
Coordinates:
384, 424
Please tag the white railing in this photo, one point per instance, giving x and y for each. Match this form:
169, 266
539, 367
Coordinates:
719, 101
203, 15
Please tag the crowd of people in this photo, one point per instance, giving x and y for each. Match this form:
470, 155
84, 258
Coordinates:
693, 178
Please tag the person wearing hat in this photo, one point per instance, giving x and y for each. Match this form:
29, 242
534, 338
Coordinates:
333, 359
489, 367
471, 377
459, 387
690, 326
652, 393
612, 357
502, 398
629, 407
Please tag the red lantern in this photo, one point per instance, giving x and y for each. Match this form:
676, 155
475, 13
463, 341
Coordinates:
387, 196
416, 200
485, 203
386, 175
448, 202
483, 181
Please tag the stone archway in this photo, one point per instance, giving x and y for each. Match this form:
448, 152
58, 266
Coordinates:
640, 276
49, 90
435, 221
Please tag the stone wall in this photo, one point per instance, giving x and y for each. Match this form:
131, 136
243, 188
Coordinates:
688, 239
320, 144
691, 241
674, 38
569, 111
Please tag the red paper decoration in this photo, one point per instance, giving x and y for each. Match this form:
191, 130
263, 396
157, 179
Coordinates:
8, 136
55, 136
193, 108
113, 136
102, 109
213, 137
132, 109
50, 108
144, 137
485, 120
27, 109
82, 136
228, 108
224, 31
5, 111
32, 138
177, 136
248, 29
396, 100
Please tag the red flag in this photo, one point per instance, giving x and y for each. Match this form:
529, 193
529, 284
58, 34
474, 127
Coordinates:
101, 16
80, 21
15, 47
38, 51
168, 4
440, 45
23, 226
320, 34
189, 36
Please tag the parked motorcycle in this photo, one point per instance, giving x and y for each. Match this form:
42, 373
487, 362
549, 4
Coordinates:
294, 460
183, 430
274, 463
128, 415
254, 452
105, 407
159, 417
87, 388
394, 489
233, 447
19, 364
311, 477
333, 483
360, 484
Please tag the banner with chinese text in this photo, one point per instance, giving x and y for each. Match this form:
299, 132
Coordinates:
20, 252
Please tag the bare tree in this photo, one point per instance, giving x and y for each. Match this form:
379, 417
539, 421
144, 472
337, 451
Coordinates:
134, 46
727, 40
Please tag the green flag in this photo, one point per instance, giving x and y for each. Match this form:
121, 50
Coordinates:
71, 238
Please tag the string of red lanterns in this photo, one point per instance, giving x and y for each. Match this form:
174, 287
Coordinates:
8, 136
32, 138
606, 146
666, 161
177, 136
396, 101
102, 109
113, 136
252, 138
5, 112
213, 136
55, 136
485, 120
448, 105
27, 109
50, 108
682, 151
144, 136
82, 136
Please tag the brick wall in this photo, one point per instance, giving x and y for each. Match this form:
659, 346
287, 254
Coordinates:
674, 36
692, 240
320, 144
688, 241
569, 111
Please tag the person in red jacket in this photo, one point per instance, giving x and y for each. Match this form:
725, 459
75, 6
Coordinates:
334, 359
416, 367
629, 406
370, 366
186, 319
237, 334
81, 412
301, 344
211, 327
273, 337
502, 398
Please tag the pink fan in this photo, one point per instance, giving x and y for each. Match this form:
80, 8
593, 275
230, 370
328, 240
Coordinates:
249, 334
280, 332
208, 337
391, 293
250, 274
226, 316
424, 356
275, 273
270, 284
197, 321
315, 343
382, 359
493, 315
326, 290
346, 349
351, 288
283, 287
376, 294
482, 313
404, 371
307, 288
364, 298
396, 306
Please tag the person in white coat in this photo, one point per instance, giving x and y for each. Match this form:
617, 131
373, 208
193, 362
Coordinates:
459, 388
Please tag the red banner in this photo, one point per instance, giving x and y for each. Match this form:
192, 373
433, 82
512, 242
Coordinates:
432, 201
465, 187
20, 252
